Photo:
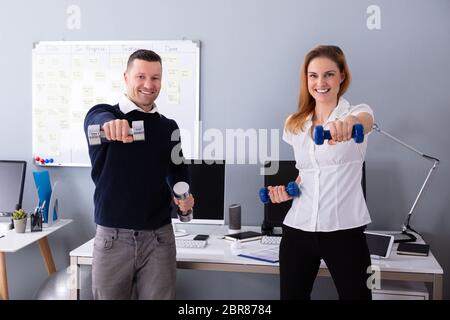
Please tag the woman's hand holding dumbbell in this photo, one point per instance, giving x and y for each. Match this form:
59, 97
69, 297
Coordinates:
342, 130
278, 194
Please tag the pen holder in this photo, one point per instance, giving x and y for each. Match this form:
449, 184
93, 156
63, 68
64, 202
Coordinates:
36, 220
234, 221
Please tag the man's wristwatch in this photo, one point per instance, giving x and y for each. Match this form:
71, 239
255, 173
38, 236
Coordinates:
185, 216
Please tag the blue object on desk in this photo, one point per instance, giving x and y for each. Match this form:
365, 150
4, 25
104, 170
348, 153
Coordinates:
44, 189
259, 258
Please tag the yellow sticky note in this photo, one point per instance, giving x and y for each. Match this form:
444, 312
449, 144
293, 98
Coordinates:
173, 98
186, 73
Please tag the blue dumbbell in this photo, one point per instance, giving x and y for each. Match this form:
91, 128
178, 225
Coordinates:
291, 189
320, 135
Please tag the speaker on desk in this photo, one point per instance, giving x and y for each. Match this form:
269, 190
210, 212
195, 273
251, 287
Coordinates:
234, 221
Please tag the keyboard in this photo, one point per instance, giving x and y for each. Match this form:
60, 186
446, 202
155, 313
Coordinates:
189, 243
5, 214
271, 240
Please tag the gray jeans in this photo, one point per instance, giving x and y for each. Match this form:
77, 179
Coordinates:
140, 263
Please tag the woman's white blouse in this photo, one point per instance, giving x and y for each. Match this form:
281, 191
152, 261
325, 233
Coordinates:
331, 193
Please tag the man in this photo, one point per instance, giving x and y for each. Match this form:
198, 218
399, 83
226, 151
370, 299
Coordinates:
134, 248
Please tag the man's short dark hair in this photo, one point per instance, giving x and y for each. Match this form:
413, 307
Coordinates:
143, 54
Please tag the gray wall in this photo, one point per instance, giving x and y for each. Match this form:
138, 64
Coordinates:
250, 60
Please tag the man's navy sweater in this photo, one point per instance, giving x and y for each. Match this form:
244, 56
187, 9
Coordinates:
131, 179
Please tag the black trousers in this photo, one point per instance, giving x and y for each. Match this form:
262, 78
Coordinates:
345, 253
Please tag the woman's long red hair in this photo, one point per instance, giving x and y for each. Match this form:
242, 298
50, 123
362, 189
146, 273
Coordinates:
306, 102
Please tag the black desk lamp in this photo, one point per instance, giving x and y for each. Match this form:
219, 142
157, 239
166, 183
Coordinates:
405, 236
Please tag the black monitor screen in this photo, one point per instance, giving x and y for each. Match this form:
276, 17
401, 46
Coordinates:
208, 188
274, 213
12, 179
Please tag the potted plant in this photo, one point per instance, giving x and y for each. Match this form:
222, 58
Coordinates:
20, 220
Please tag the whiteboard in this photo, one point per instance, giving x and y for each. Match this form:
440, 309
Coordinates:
70, 77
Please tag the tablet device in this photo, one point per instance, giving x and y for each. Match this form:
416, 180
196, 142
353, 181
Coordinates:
380, 244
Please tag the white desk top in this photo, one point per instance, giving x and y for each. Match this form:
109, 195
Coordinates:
219, 250
13, 241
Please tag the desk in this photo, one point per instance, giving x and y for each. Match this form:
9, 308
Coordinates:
13, 241
218, 256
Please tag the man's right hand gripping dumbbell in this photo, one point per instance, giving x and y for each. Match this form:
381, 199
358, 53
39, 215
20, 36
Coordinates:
278, 194
116, 130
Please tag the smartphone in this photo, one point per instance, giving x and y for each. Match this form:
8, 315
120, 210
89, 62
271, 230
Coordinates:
201, 237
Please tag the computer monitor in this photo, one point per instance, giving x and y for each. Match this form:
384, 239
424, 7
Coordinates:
274, 213
208, 188
12, 180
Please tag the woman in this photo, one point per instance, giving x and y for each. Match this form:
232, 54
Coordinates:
328, 220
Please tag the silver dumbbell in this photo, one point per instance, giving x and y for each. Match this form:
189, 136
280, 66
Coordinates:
181, 192
95, 134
